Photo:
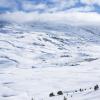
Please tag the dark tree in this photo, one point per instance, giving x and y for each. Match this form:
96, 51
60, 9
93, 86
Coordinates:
51, 94
60, 93
96, 87
65, 98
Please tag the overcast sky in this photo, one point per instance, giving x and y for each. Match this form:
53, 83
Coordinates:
58, 10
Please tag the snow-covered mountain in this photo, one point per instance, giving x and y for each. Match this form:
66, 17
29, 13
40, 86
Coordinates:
38, 58
52, 45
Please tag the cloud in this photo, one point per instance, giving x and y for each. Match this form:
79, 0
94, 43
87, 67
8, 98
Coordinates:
29, 6
10, 4
58, 17
65, 3
91, 2
49, 5
82, 9
60, 5
61, 11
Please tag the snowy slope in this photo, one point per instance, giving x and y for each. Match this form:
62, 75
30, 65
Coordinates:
39, 58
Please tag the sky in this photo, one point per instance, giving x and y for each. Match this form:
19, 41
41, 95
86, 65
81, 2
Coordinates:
59, 10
